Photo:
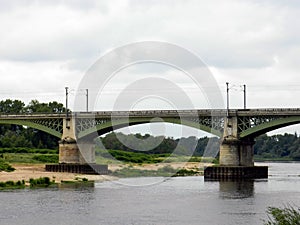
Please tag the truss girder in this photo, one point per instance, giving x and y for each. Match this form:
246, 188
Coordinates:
256, 125
53, 126
251, 122
86, 126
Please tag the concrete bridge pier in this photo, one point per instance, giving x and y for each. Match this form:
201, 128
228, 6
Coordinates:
69, 152
76, 157
234, 152
236, 156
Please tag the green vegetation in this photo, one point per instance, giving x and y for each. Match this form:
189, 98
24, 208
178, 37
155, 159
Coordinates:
157, 145
283, 216
40, 182
12, 185
28, 150
117, 156
166, 171
78, 183
43, 182
132, 157
283, 147
132, 172
28, 155
277, 147
4, 166
29, 158
46, 158
185, 172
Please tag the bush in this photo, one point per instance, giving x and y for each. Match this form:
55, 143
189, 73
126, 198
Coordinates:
28, 150
12, 185
283, 216
4, 166
40, 182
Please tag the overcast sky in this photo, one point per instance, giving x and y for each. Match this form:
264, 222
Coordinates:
48, 45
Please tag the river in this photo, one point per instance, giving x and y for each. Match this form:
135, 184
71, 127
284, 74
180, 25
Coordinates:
180, 200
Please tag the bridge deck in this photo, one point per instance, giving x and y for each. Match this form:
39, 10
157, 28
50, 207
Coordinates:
162, 113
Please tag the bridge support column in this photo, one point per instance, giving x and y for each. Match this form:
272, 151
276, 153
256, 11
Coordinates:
234, 152
68, 152
76, 157
236, 156
71, 152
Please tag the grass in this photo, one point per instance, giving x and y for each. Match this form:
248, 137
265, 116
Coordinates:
132, 172
130, 157
28, 150
28, 155
44, 182
166, 171
46, 158
40, 182
30, 158
118, 156
263, 159
287, 215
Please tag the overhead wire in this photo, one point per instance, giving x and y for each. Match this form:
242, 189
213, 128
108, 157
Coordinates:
186, 87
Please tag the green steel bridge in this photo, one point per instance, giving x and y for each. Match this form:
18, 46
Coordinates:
249, 123
237, 128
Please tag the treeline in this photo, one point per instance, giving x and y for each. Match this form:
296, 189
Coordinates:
278, 146
158, 145
10, 106
286, 146
12, 136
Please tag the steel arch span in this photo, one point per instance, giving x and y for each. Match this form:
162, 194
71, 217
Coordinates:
91, 126
51, 123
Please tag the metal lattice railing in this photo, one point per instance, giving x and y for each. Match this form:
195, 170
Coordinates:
247, 122
52, 123
84, 124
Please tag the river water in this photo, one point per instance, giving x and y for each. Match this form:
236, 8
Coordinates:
180, 200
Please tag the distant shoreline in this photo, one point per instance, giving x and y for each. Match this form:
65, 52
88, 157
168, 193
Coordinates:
275, 160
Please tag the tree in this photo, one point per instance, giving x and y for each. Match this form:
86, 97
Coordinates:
35, 106
56, 107
11, 106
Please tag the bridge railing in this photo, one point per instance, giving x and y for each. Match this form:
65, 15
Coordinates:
163, 113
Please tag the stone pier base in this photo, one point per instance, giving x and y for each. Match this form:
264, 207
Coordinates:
235, 172
78, 168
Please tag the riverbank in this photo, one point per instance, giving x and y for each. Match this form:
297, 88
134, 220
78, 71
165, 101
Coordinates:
35, 171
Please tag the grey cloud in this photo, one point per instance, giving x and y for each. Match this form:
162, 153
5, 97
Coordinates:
224, 36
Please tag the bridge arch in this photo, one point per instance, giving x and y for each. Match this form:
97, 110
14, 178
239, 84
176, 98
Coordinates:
39, 126
269, 126
121, 123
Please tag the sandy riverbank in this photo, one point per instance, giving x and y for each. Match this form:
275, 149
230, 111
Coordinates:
176, 165
27, 171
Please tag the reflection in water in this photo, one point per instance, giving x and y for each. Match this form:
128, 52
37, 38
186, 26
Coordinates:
236, 189
76, 185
